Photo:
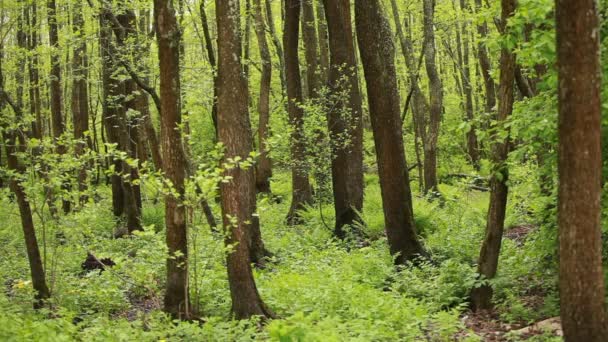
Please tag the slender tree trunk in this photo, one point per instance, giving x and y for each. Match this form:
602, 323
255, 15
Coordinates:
581, 279
177, 302
212, 61
247, 41
148, 132
436, 100
345, 117
34, 74
378, 55
128, 125
118, 101
80, 97
27, 223
323, 43
238, 195
277, 45
12, 146
485, 65
472, 144
264, 165
481, 297
311, 47
301, 190
110, 88
419, 103
56, 94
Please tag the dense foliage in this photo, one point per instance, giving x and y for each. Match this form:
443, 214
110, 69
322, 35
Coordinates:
320, 287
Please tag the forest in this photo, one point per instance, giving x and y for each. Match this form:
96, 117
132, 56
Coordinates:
303, 170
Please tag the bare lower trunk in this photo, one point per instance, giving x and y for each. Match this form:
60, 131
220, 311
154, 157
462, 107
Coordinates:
581, 279
481, 297
344, 118
301, 191
238, 195
177, 302
378, 55
436, 100
264, 165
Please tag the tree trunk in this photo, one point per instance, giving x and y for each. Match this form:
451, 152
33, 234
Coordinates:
419, 104
125, 193
581, 280
56, 94
301, 190
277, 45
80, 97
378, 55
345, 117
481, 297
485, 65
323, 43
264, 165
148, 132
27, 223
472, 144
110, 88
176, 303
212, 62
436, 100
34, 74
128, 125
238, 195
311, 46
12, 146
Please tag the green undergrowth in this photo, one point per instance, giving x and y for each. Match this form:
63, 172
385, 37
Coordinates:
321, 289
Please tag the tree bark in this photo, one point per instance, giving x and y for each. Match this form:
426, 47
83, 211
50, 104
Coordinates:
581, 279
118, 100
176, 302
301, 191
485, 65
80, 97
12, 146
311, 47
128, 125
436, 100
345, 117
277, 45
110, 88
34, 74
419, 103
481, 297
323, 43
27, 223
212, 62
378, 55
56, 93
238, 195
472, 144
264, 165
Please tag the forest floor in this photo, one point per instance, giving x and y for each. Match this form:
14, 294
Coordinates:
321, 289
